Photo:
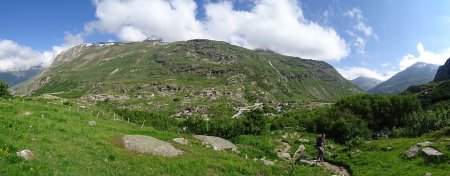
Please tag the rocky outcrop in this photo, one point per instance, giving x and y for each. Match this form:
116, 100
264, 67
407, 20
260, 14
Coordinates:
443, 73
147, 144
216, 143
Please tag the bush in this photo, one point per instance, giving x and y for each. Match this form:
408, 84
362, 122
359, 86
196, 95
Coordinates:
4, 92
253, 123
422, 122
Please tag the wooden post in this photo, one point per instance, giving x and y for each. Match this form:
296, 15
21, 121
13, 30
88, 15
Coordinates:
128, 120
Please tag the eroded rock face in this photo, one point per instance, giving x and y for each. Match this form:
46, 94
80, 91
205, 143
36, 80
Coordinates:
443, 72
217, 143
147, 144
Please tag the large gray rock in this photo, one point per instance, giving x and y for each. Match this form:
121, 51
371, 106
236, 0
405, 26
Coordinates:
216, 142
431, 152
146, 144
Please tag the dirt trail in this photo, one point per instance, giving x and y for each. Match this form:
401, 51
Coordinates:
335, 168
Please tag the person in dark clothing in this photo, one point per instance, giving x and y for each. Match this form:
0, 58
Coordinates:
320, 145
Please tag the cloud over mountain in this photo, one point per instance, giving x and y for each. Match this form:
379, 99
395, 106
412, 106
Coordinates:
269, 24
14, 56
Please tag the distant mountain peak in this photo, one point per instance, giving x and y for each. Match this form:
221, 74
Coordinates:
365, 83
417, 74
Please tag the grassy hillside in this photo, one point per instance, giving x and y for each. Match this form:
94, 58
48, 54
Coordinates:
202, 76
64, 144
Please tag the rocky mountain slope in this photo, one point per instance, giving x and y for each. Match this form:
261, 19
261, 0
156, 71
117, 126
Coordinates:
188, 77
443, 72
417, 74
365, 83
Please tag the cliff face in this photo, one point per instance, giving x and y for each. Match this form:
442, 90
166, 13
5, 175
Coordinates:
443, 72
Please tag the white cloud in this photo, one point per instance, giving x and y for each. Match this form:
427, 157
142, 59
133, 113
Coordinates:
361, 31
354, 13
14, 56
424, 56
354, 72
270, 24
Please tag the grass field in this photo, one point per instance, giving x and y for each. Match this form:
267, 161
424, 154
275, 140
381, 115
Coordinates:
64, 144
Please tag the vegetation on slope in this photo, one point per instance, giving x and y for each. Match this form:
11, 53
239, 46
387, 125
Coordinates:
205, 77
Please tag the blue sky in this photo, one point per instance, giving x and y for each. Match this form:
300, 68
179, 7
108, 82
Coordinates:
358, 37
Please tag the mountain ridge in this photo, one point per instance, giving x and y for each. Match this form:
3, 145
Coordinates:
197, 76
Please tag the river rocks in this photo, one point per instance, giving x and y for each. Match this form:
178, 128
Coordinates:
26, 154
216, 143
181, 141
146, 144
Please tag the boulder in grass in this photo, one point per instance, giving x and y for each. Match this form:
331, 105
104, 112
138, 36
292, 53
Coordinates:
26, 154
147, 144
92, 123
217, 143
431, 154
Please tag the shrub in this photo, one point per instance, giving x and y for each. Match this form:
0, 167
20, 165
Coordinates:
4, 92
422, 122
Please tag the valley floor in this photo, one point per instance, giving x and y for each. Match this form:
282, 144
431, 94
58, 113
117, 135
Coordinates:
63, 143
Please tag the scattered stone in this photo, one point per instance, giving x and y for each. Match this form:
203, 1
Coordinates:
181, 141
283, 152
300, 151
428, 174
147, 144
304, 140
285, 156
92, 123
308, 162
424, 144
412, 152
267, 162
216, 142
26, 154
